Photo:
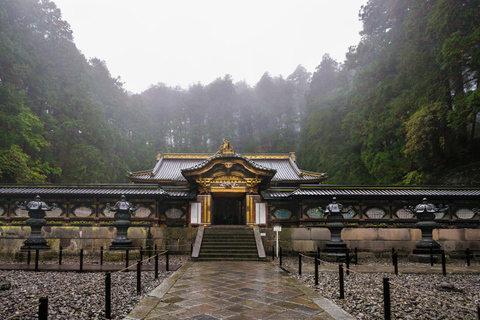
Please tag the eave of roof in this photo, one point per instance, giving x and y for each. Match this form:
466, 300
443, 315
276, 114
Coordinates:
82, 189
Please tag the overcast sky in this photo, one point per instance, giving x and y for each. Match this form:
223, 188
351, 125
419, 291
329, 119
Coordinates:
182, 42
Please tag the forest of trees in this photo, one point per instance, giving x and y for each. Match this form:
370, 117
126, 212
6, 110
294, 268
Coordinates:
403, 108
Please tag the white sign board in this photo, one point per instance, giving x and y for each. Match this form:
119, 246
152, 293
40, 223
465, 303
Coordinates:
277, 228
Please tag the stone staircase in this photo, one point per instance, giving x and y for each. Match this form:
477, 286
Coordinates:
228, 243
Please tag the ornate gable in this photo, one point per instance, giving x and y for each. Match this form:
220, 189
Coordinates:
228, 172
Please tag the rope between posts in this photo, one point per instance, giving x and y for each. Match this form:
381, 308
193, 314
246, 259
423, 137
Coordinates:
82, 287
377, 279
306, 256
23, 312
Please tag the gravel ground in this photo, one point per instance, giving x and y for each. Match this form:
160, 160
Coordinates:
413, 296
75, 295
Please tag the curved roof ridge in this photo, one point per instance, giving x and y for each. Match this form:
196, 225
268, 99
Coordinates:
228, 155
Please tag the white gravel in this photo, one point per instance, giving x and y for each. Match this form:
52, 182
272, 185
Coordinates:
75, 295
413, 296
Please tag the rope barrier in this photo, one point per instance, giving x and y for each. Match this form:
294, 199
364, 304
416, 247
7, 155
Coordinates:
23, 312
376, 278
83, 287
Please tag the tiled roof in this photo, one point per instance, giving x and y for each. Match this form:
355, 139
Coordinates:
169, 167
387, 191
180, 193
116, 190
276, 193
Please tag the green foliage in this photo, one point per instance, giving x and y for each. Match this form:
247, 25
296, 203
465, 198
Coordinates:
402, 108
408, 112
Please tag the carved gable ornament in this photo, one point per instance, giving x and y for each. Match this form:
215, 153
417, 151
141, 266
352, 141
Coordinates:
228, 172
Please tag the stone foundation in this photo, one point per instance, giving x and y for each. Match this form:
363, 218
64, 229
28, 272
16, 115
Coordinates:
291, 239
91, 239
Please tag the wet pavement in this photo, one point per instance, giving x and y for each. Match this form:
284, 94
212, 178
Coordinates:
234, 290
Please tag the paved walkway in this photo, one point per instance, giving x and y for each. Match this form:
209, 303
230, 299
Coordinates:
234, 290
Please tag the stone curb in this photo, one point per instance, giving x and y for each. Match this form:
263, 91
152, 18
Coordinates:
328, 306
151, 301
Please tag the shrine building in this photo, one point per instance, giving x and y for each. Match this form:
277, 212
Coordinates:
185, 190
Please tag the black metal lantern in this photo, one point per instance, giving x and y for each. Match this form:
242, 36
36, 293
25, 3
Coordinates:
36, 212
335, 225
425, 212
123, 212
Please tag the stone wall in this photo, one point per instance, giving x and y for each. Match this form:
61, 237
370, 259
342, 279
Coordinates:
372, 239
291, 239
92, 238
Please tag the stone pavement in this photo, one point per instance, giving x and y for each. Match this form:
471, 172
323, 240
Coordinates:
234, 290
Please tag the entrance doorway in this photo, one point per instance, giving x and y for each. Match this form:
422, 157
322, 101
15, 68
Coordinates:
227, 210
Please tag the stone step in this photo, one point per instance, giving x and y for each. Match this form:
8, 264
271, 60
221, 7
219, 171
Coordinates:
227, 243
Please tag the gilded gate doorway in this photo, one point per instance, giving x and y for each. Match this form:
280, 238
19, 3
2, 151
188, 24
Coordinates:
228, 211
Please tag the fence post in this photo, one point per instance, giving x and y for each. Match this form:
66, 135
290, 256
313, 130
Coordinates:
316, 271
37, 254
468, 257
141, 253
126, 259
167, 262
444, 264
101, 256
139, 277
386, 298
318, 252
280, 260
43, 309
29, 256
356, 256
81, 260
60, 253
347, 261
156, 265
395, 263
299, 264
431, 256
340, 276
108, 296
273, 253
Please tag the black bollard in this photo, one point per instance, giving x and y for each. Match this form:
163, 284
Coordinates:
356, 256
444, 264
155, 248
37, 256
431, 256
81, 260
156, 266
139, 277
347, 261
43, 309
108, 296
342, 285
386, 299
60, 252
395, 263
167, 262
316, 271
273, 253
126, 259
393, 254
149, 249
468, 257
299, 264
141, 253
280, 256
318, 252
101, 256
29, 256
